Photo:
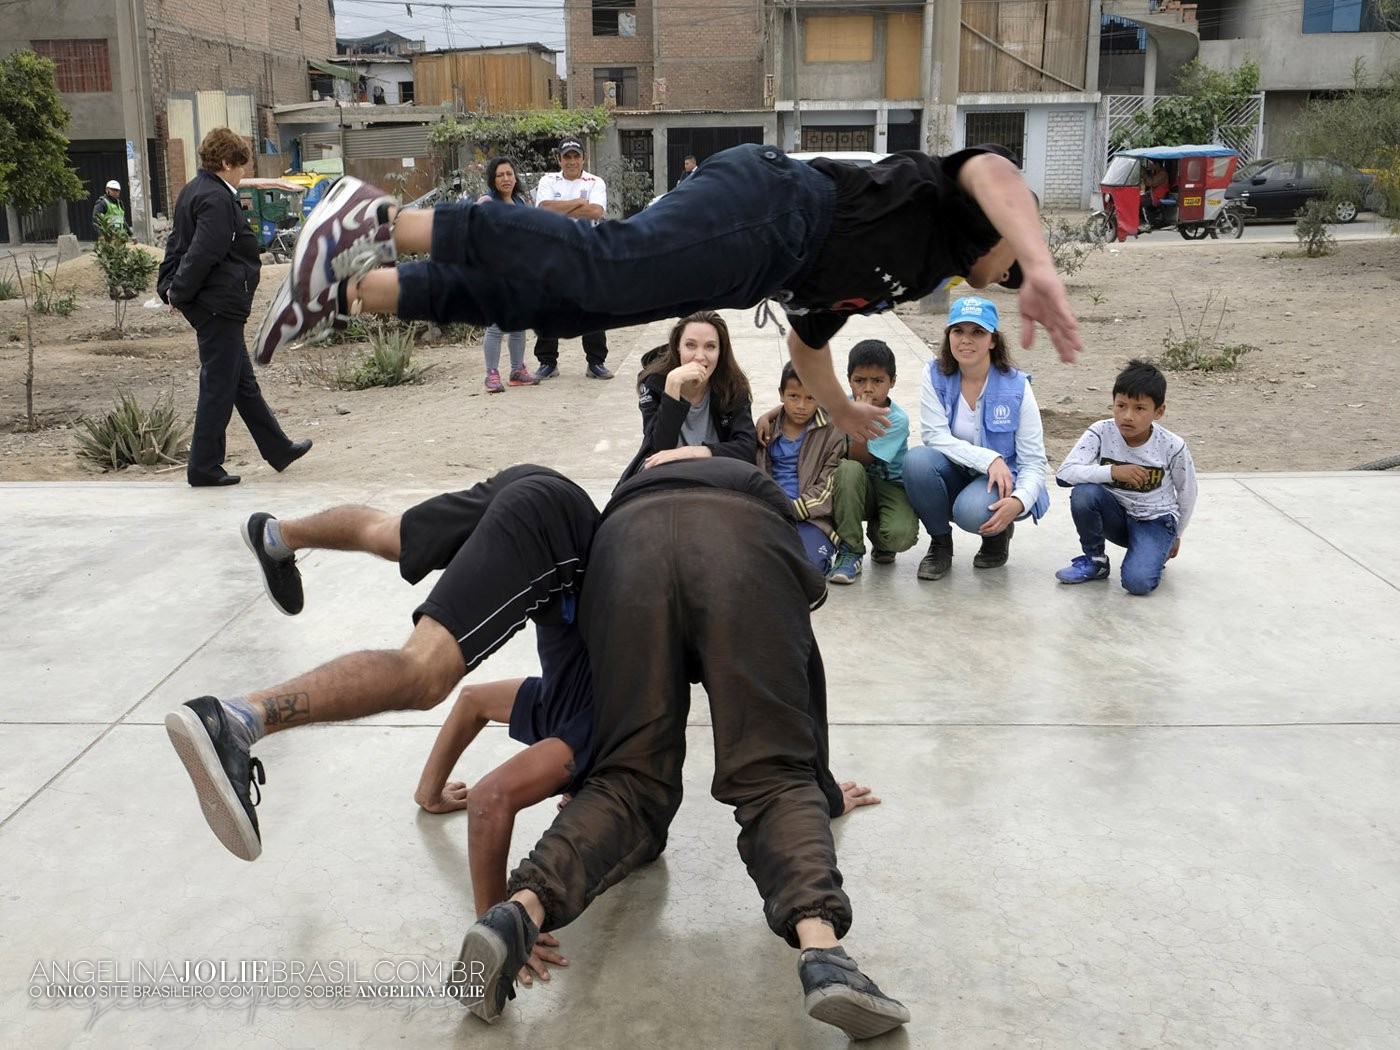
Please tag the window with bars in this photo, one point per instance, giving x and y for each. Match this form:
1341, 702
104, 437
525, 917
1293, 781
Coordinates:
624, 80
614, 18
846, 139
1001, 129
79, 65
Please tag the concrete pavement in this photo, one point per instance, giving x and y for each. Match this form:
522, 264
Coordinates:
1108, 821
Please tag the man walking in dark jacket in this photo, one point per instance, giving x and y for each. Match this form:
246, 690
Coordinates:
209, 273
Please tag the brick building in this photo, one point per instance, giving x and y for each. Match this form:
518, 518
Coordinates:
843, 75
682, 77
145, 79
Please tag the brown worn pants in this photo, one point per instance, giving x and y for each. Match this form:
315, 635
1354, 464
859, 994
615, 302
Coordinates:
707, 585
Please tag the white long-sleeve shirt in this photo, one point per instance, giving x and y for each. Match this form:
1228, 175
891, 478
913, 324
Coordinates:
1171, 483
1031, 465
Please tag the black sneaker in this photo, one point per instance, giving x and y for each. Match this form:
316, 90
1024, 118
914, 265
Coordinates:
938, 560
882, 557
838, 993
995, 549
281, 579
493, 951
222, 771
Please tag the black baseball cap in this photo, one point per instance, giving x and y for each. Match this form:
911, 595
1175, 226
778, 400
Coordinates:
570, 143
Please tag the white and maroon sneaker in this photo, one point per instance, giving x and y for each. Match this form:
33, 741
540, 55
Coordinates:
346, 236
289, 322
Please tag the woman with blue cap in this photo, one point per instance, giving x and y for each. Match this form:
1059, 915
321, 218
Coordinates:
982, 463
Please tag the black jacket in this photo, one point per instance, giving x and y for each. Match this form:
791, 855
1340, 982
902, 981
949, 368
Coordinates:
662, 416
211, 259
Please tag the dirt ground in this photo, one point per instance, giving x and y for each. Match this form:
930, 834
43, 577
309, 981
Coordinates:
1317, 393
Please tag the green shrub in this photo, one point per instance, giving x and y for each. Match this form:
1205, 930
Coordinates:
130, 434
1071, 243
8, 290
356, 330
1312, 233
1196, 350
390, 360
48, 299
126, 267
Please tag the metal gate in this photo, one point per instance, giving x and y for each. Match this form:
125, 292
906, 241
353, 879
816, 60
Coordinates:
1240, 128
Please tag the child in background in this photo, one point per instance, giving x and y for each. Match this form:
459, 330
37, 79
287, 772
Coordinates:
802, 457
870, 482
1133, 484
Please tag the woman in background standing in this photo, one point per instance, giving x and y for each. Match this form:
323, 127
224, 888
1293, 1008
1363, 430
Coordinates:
209, 273
503, 185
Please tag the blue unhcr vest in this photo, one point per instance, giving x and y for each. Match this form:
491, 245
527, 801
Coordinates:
1001, 415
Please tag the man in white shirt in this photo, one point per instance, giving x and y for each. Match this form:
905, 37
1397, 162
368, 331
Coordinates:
581, 195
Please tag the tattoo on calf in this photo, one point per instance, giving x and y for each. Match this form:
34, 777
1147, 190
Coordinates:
285, 709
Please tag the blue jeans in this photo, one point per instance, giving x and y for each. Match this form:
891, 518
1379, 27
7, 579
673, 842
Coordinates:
1099, 516
748, 224
943, 492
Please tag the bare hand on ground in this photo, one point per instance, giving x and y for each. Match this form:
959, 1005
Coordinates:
542, 957
856, 795
452, 798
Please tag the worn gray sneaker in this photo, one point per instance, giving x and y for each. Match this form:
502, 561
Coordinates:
222, 771
493, 951
281, 577
837, 993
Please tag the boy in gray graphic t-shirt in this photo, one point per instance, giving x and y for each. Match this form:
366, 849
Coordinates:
1134, 485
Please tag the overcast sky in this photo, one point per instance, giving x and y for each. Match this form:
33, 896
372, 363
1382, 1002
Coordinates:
471, 23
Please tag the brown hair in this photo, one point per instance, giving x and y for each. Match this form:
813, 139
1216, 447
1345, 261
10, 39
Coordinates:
948, 364
729, 386
222, 146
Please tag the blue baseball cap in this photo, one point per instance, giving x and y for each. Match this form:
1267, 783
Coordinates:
975, 310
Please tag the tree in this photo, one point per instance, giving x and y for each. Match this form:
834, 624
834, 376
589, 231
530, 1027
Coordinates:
1360, 127
34, 169
127, 267
1198, 113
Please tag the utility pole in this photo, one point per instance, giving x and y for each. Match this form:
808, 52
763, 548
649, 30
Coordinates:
131, 32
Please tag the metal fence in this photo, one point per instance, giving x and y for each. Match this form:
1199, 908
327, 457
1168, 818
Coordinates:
1241, 128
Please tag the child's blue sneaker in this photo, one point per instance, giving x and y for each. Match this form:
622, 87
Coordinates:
1084, 568
847, 567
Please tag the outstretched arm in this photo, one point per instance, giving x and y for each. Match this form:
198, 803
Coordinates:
476, 706
542, 769
818, 374
1001, 192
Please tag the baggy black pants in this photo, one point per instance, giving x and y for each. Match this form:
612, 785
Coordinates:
595, 349
698, 584
227, 382
512, 548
